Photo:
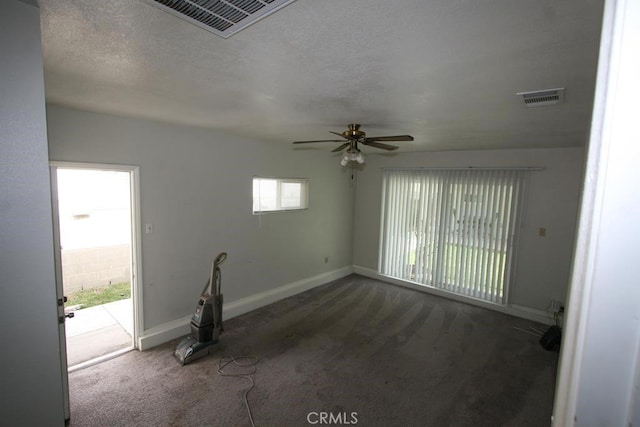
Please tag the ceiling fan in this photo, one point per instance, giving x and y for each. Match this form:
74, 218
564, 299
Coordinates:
354, 135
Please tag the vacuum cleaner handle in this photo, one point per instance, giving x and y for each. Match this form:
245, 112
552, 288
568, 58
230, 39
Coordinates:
211, 287
220, 258
217, 290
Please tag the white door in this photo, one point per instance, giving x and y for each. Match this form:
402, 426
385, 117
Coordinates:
59, 293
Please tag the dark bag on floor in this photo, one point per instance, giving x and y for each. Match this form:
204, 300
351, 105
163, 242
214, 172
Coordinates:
551, 339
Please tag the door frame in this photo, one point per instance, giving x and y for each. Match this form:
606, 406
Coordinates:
136, 235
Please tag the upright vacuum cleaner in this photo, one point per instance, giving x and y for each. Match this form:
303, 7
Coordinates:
206, 322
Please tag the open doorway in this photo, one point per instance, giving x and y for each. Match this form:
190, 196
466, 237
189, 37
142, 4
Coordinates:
97, 259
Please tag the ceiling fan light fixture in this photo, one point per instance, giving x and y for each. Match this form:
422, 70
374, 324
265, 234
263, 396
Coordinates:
352, 155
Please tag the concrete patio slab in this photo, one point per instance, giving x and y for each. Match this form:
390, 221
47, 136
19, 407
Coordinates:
87, 320
122, 312
87, 346
98, 331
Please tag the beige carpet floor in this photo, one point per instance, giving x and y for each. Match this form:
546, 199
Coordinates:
390, 355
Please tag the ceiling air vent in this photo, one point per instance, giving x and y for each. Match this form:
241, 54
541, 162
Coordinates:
221, 17
541, 98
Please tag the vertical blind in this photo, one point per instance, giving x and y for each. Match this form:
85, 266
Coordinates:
451, 229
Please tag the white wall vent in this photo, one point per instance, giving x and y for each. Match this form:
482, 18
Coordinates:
541, 98
221, 17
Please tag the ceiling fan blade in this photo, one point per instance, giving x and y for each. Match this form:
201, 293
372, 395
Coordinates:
380, 145
342, 147
320, 140
391, 138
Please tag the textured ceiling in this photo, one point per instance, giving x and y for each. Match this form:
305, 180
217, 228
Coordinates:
444, 71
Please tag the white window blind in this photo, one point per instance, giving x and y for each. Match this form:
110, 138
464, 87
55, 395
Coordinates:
280, 194
451, 229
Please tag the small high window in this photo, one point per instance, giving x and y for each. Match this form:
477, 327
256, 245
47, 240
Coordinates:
280, 194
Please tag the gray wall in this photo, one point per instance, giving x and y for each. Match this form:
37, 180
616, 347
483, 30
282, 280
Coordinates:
31, 372
196, 190
543, 263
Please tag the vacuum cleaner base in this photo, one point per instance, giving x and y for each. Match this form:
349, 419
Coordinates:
191, 349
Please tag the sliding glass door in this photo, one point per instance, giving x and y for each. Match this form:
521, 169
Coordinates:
451, 229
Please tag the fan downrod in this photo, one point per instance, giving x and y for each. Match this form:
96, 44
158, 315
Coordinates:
354, 132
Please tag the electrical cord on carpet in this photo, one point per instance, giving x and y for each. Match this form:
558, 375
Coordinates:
251, 363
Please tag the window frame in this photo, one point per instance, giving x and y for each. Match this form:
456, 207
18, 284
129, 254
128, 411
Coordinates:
304, 196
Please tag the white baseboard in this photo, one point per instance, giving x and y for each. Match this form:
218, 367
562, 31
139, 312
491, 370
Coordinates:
250, 303
165, 332
180, 327
511, 309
